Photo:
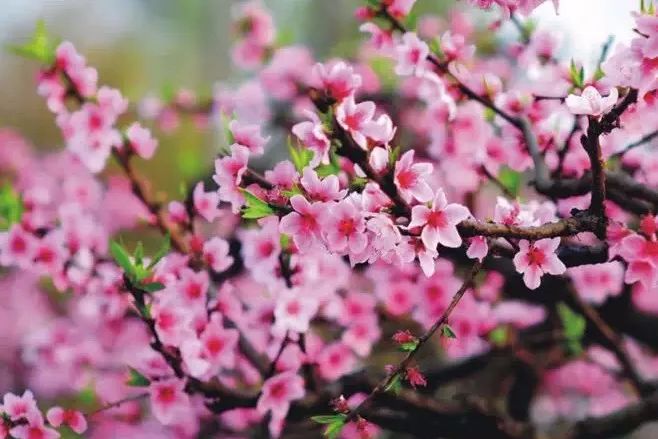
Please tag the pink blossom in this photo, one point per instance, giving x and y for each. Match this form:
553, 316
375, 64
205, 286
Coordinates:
517, 313
327, 189
591, 103
536, 259
595, 283
439, 222
177, 212
248, 135
193, 286
303, 225
228, 175
35, 429
57, 416
399, 8
311, 134
279, 391
141, 141
379, 38
216, 254
337, 79
353, 117
169, 402
380, 130
19, 407
17, 247
344, 228
361, 335
206, 203
283, 174
335, 360
642, 255
411, 178
214, 349
478, 248
294, 311
415, 377
411, 53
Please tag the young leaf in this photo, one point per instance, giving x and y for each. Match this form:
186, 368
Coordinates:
395, 385
300, 156
11, 207
409, 346
152, 287
139, 254
499, 336
122, 258
255, 208
41, 46
328, 419
136, 379
446, 331
574, 327
162, 251
510, 179
333, 430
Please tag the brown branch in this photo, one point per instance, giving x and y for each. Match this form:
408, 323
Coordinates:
614, 342
402, 366
582, 222
117, 403
619, 423
592, 146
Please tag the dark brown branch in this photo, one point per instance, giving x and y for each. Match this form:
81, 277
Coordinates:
613, 342
402, 366
618, 423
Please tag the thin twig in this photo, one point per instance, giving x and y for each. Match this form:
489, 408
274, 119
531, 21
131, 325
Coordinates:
402, 366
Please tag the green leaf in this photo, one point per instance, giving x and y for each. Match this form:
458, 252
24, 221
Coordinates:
395, 385
284, 240
333, 168
122, 258
11, 207
577, 75
300, 156
333, 430
446, 331
393, 155
41, 46
152, 287
409, 346
140, 273
255, 208
136, 379
139, 254
574, 326
510, 179
162, 251
334, 423
292, 192
499, 336
328, 419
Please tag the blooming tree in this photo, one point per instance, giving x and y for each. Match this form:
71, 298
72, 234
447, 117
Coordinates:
480, 215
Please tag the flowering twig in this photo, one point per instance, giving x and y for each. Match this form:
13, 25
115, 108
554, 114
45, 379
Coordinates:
402, 366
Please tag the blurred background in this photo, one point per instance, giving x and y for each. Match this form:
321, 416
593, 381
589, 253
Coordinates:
155, 46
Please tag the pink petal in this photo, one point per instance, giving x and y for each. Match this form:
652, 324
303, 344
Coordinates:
430, 237
449, 237
456, 213
554, 265
532, 277
419, 215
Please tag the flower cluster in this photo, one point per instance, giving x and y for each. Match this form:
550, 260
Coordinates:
456, 202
